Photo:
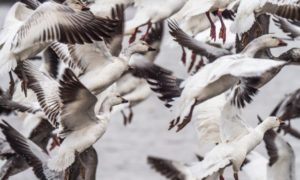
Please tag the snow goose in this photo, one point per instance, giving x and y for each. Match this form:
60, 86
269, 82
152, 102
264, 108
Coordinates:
246, 13
160, 79
212, 52
194, 8
34, 156
60, 102
149, 12
63, 23
217, 77
136, 89
233, 153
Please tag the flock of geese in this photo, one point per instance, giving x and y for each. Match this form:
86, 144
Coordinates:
70, 69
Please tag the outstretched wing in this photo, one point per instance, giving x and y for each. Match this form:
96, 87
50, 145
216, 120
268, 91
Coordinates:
46, 90
288, 11
78, 103
172, 170
198, 47
34, 156
161, 81
55, 22
287, 27
217, 159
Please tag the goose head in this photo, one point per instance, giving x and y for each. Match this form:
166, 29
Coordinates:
140, 47
76, 5
116, 99
270, 40
271, 122
111, 100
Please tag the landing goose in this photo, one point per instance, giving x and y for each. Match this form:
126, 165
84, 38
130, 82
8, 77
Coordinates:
60, 103
70, 26
246, 13
149, 12
217, 77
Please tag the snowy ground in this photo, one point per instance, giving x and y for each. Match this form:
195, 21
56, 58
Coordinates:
123, 150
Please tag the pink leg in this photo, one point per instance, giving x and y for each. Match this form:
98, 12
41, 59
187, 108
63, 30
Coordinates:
133, 36
222, 34
212, 27
147, 31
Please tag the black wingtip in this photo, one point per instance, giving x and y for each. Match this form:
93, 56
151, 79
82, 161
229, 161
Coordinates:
243, 95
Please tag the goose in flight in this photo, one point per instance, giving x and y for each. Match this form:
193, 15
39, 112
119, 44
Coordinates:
216, 78
64, 101
233, 153
212, 53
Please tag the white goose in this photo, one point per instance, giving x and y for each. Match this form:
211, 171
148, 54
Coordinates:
217, 77
233, 152
62, 103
